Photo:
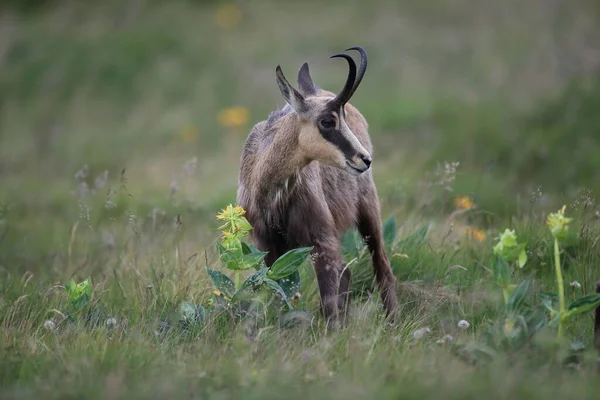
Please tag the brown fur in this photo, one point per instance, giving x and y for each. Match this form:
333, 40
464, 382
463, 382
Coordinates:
296, 194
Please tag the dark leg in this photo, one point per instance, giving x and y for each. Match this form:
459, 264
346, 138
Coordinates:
328, 267
369, 226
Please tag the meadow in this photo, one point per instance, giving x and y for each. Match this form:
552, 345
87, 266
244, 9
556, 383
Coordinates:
121, 127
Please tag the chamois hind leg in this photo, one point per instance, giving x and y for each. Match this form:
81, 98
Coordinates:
369, 226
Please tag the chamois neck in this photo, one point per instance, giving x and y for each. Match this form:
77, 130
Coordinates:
280, 158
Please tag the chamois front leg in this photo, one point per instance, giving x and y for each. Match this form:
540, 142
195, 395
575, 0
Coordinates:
369, 226
333, 280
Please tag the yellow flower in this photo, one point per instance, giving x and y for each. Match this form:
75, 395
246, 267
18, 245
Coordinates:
225, 213
476, 234
464, 202
239, 210
559, 224
234, 116
228, 16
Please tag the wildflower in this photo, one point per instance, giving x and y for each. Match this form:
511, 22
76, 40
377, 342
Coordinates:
575, 285
476, 234
509, 249
463, 324
236, 225
421, 332
239, 211
463, 202
228, 16
111, 322
49, 325
234, 116
559, 224
231, 212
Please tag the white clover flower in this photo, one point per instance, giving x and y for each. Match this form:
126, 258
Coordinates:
111, 323
575, 285
420, 333
49, 325
463, 324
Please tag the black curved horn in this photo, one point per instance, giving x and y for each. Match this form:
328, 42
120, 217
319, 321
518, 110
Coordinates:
361, 69
346, 92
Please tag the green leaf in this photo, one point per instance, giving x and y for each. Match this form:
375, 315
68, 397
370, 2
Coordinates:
231, 257
79, 294
192, 313
250, 285
253, 260
518, 295
248, 248
351, 242
501, 271
522, 258
582, 305
389, 231
288, 263
290, 284
221, 281
416, 238
243, 222
273, 285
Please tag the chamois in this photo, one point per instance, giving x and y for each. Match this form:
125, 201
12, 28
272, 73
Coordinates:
305, 178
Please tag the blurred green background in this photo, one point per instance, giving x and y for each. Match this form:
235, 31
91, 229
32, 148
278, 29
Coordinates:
163, 93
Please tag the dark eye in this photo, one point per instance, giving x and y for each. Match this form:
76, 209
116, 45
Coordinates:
327, 123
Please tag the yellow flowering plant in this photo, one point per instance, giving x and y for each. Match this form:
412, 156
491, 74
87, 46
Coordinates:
238, 255
558, 224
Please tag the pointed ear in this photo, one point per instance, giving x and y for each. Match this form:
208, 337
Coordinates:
291, 95
305, 82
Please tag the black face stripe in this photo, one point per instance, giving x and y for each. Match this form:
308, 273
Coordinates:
335, 137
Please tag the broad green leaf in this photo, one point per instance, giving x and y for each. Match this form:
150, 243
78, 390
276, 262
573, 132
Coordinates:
250, 285
582, 305
288, 263
389, 231
221, 281
518, 295
273, 285
290, 284
253, 260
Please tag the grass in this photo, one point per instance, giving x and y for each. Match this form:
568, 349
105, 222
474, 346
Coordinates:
137, 91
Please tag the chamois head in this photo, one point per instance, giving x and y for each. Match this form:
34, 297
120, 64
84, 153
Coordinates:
323, 133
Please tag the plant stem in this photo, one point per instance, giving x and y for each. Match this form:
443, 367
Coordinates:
237, 280
561, 289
